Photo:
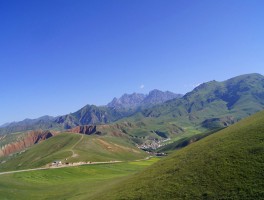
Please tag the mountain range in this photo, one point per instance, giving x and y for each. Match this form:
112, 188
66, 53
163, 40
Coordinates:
230, 100
136, 100
117, 109
210, 105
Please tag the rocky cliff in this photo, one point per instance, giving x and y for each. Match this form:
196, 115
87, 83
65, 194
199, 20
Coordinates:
141, 100
88, 130
24, 141
118, 130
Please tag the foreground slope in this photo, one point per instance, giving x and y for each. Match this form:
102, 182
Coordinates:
70, 147
226, 165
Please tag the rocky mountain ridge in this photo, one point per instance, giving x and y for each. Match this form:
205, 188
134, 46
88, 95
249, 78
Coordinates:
142, 100
217, 103
125, 106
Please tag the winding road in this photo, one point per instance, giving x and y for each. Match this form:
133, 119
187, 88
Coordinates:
73, 153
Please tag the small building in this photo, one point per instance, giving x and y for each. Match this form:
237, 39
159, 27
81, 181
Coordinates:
56, 163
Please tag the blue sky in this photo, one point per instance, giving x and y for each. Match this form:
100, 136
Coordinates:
58, 55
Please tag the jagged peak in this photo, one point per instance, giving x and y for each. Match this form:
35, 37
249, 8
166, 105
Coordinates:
137, 99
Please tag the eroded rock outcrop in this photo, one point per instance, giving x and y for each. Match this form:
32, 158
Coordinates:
86, 129
117, 130
24, 141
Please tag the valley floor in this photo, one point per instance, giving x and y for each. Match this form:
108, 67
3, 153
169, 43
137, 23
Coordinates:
70, 165
81, 182
60, 166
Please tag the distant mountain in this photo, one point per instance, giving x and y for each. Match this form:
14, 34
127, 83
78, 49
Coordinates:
141, 100
125, 106
219, 102
127, 101
158, 97
117, 109
210, 105
44, 122
5, 124
90, 114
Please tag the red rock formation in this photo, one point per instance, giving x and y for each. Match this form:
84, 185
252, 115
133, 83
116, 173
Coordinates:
86, 129
113, 130
32, 137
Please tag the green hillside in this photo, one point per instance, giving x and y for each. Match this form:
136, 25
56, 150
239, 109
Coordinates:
185, 141
226, 165
209, 106
216, 99
69, 147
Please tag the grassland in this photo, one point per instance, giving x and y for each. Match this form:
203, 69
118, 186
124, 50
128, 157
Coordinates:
83, 182
226, 165
178, 143
69, 147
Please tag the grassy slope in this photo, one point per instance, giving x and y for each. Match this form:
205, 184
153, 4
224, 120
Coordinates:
106, 148
85, 148
226, 165
185, 141
38, 155
81, 182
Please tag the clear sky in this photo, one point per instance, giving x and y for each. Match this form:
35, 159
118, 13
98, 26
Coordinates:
58, 55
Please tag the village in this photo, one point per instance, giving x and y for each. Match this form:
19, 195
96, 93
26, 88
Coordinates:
151, 146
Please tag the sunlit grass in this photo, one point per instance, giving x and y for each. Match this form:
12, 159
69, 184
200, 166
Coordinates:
67, 183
